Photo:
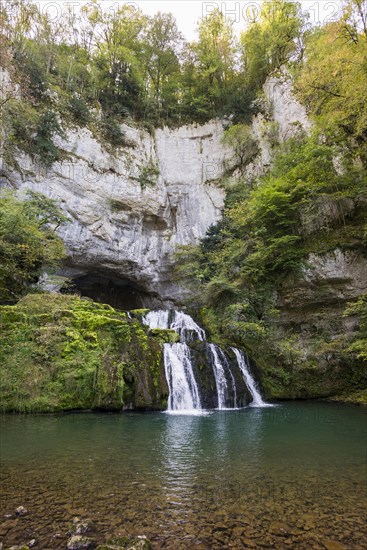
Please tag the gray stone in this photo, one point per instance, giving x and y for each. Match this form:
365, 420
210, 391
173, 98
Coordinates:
118, 228
78, 542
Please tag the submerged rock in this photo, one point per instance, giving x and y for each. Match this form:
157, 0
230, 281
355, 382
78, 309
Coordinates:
126, 543
78, 542
83, 526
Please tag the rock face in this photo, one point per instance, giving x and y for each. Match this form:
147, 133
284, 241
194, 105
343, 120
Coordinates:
286, 111
281, 118
323, 290
130, 209
311, 313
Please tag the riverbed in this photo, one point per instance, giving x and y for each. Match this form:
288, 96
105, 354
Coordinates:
292, 475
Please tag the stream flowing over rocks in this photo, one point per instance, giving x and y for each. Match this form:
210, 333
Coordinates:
185, 395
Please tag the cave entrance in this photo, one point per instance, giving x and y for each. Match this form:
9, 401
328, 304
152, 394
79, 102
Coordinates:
118, 293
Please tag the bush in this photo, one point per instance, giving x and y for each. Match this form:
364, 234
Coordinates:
111, 132
44, 147
79, 109
27, 242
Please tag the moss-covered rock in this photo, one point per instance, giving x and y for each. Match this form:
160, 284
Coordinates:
60, 352
126, 543
166, 336
358, 398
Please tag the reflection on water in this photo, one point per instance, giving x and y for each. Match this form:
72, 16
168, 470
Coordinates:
293, 475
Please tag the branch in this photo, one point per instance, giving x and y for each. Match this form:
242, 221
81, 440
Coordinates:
325, 89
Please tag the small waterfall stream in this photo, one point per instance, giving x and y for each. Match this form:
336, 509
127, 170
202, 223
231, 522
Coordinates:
250, 382
220, 378
184, 391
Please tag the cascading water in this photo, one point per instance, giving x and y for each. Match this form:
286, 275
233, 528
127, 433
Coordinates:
220, 378
184, 396
250, 382
183, 390
233, 381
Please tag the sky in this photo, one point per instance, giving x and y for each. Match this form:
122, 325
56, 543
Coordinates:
189, 12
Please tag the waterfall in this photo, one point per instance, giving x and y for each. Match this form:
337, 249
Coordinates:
250, 382
233, 381
220, 378
183, 389
184, 395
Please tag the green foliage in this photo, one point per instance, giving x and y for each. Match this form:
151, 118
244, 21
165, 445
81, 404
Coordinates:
112, 132
19, 122
161, 47
127, 64
359, 344
240, 138
43, 145
27, 241
61, 352
271, 39
332, 79
79, 109
148, 175
31, 131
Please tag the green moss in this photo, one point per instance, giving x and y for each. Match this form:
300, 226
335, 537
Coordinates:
139, 312
126, 542
357, 397
60, 352
165, 335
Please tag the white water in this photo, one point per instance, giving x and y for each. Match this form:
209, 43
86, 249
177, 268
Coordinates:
183, 390
157, 319
233, 382
184, 396
250, 382
220, 377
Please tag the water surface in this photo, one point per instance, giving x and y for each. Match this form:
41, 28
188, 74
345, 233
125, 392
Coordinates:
288, 476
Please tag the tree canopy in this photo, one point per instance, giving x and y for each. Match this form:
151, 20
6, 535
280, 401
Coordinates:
28, 241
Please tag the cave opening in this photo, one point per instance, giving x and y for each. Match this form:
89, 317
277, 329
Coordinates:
118, 293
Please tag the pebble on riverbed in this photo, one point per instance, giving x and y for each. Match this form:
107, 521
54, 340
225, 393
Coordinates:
21, 511
78, 542
84, 526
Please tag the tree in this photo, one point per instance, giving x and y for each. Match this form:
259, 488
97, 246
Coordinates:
27, 241
161, 49
272, 40
332, 80
117, 43
215, 59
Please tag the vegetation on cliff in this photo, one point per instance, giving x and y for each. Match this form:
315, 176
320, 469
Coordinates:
28, 241
61, 352
102, 68
312, 201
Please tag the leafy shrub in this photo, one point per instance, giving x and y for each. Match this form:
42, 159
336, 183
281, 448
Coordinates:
27, 241
111, 131
148, 175
79, 109
44, 147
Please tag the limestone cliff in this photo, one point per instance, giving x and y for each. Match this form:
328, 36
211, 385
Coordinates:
130, 208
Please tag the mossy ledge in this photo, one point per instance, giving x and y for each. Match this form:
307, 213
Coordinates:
61, 353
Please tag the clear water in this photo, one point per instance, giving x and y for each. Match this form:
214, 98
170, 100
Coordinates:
289, 476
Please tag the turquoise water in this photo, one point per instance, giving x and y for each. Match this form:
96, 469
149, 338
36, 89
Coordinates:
288, 476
